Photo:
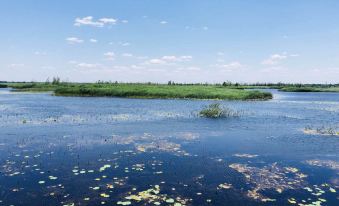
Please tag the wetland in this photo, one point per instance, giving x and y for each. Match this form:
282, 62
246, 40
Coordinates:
57, 150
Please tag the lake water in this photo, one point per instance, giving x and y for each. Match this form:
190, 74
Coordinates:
115, 151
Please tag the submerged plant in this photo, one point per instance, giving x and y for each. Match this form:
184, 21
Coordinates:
216, 110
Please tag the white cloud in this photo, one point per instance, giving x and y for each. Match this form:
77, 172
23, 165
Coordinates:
89, 21
277, 58
124, 21
231, 66
93, 40
176, 59
74, 40
330, 70
109, 55
47, 67
86, 65
205, 28
40, 53
163, 22
274, 59
108, 21
133, 66
169, 59
273, 69
156, 61
142, 57
16, 65
124, 43
189, 69
185, 58
127, 55
72, 62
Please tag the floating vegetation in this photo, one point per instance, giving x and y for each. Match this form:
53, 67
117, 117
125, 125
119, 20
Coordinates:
138, 167
52, 177
124, 203
316, 191
103, 168
151, 143
218, 111
270, 177
162, 145
324, 163
153, 196
331, 131
225, 186
245, 155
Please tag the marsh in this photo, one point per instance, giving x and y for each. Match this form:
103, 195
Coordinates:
107, 151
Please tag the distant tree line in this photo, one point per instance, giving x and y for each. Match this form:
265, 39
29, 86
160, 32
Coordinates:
57, 80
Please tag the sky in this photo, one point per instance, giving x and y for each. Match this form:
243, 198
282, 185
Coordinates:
188, 41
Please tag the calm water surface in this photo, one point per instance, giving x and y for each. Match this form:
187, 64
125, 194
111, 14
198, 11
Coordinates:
114, 151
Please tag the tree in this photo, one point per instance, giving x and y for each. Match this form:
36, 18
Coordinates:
56, 80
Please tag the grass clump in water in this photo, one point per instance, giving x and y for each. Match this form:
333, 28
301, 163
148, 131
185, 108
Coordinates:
216, 110
332, 131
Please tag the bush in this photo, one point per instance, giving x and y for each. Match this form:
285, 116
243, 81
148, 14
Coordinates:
217, 111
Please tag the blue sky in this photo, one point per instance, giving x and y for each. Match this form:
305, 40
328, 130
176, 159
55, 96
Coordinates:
179, 40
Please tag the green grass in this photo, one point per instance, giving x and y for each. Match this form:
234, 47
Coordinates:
309, 89
32, 87
217, 111
135, 90
300, 89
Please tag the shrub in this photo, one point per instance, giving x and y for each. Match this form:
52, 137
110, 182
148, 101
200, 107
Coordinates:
217, 111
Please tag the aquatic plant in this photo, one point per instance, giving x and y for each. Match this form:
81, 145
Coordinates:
309, 89
330, 164
147, 91
332, 131
3, 86
300, 89
270, 177
216, 110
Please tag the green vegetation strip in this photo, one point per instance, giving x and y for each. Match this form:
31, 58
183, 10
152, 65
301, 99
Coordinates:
135, 90
309, 89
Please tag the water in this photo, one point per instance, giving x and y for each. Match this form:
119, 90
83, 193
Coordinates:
109, 151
